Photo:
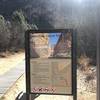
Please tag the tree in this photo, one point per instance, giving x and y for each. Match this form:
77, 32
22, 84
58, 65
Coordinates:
19, 26
4, 34
40, 12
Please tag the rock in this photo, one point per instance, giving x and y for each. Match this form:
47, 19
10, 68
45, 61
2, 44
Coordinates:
39, 45
63, 46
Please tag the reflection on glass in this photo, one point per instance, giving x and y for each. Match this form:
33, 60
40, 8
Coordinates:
50, 45
51, 70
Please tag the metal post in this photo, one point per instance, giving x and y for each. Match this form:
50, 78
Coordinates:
75, 64
28, 96
98, 65
98, 51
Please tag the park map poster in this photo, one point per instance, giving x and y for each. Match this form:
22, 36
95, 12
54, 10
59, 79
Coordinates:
50, 63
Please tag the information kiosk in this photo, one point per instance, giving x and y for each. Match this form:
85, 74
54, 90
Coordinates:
51, 62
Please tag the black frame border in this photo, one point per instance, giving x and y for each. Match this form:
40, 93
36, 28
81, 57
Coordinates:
74, 60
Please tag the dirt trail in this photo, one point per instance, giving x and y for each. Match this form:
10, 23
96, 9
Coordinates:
13, 91
10, 61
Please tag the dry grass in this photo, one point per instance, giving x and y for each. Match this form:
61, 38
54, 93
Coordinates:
10, 61
86, 79
83, 64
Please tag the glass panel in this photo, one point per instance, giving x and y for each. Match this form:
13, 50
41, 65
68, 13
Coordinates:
50, 63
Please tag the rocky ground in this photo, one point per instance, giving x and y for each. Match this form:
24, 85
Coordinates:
86, 80
86, 86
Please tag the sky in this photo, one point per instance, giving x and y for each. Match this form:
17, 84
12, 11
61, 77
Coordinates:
53, 38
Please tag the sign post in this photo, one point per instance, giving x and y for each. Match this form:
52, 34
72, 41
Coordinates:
51, 62
98, 66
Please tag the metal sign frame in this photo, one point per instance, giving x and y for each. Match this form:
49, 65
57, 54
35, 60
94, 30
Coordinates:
74, 60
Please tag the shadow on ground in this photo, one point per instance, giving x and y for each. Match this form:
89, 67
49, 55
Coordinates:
23, 96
